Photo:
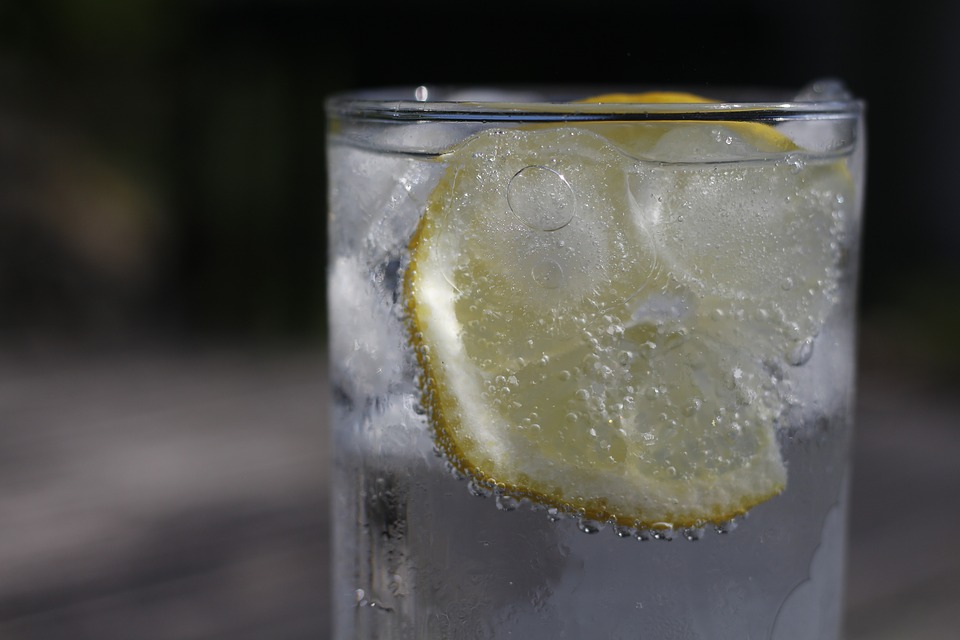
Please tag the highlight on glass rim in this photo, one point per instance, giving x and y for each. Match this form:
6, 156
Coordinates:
628, 313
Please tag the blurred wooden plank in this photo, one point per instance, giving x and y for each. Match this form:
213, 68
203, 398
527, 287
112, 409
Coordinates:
164, 496
903, 560
177, 496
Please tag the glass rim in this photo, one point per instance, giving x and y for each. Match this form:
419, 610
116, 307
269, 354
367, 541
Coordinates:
477, 104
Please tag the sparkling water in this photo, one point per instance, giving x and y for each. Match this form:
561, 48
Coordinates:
421, 552
419, 558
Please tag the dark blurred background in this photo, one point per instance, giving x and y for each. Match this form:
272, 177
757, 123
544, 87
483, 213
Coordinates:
162, 295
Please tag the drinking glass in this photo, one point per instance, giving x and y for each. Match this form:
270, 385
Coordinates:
592, 360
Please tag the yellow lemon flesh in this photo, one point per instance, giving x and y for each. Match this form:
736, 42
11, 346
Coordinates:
604, 335
639, 136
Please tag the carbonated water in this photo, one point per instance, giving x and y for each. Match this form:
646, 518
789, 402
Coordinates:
421, 551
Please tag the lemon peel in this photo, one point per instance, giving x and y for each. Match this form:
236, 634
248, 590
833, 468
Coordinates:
762, 136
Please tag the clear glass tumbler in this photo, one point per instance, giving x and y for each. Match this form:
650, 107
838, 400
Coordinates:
592, 357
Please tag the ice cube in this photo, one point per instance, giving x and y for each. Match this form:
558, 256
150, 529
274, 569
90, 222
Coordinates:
822, 135
702, 142
824, 89
379, 219
368, 342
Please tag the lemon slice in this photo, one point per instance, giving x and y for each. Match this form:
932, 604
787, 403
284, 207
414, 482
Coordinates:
639, 136
597, 333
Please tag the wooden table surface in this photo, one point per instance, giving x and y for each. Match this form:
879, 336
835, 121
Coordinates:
180, 496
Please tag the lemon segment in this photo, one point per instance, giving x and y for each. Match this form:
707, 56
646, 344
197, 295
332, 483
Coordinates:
596, 333
648, 97
636, 137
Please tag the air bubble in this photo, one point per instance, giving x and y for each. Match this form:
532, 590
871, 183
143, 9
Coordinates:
477, 490
507, 503
542, 198
548, 274
801, 352
588, 526
662, 531
693, 533
692, 407
726, 527
623, 531
796, 163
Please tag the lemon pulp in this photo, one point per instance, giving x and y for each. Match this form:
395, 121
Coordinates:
602, 335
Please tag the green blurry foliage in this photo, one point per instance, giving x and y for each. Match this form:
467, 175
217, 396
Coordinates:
174, 161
